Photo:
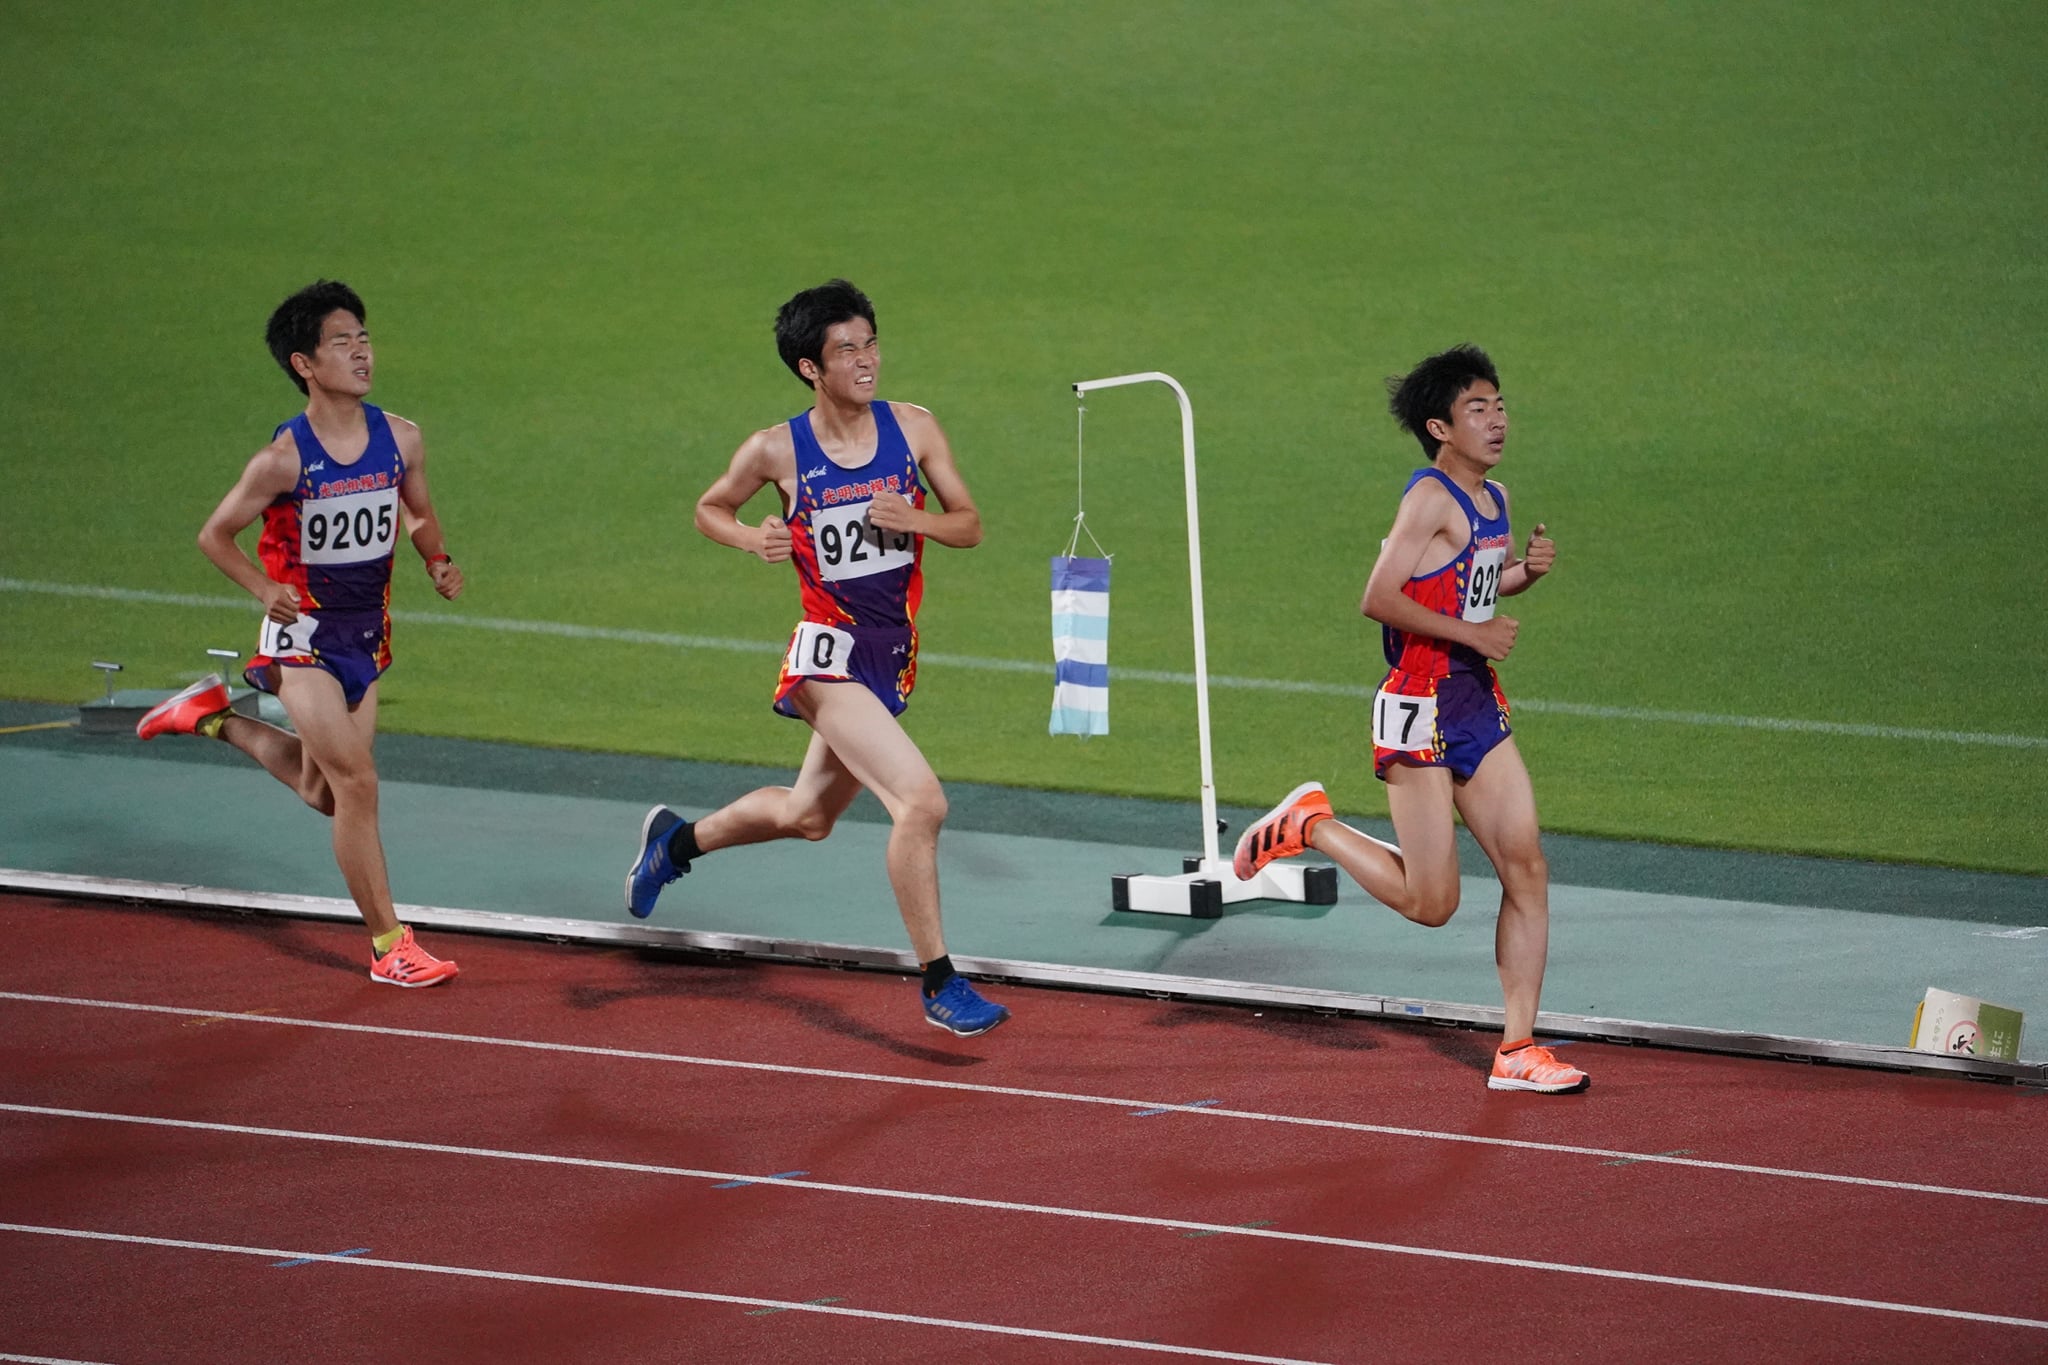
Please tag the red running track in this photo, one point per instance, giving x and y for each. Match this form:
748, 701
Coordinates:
1346, 1190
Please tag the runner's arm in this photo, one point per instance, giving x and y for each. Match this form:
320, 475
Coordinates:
1536, 560
958, 524
269, 475
759, 462
422, 525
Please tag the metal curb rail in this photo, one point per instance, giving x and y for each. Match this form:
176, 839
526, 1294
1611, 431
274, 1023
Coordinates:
1155, 984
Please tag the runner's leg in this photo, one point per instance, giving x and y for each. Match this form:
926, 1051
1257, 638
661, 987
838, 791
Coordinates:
1421, 881
338, 743
807, 809
866, 742
1499, 807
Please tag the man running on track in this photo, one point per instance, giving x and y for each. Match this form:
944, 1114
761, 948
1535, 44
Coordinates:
331, 488
852, 473
1441, 741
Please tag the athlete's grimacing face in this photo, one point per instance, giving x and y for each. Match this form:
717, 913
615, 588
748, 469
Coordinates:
342, 362
1478, 429
852, 362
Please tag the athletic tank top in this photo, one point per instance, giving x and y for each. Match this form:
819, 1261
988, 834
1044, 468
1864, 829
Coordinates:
850, 572
1468, 586
332, 535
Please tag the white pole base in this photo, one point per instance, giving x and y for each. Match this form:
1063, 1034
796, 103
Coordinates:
1208, 885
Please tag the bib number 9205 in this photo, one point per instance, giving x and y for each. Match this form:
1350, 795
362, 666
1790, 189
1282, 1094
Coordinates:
1401, 722
349, 529
818, 651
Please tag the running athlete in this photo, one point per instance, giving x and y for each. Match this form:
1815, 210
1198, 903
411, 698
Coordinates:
1440, 720
853, 474
332, 489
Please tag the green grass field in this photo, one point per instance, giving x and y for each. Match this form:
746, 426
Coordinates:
1765, 284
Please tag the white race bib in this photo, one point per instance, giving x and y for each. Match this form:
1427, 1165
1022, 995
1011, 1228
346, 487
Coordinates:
849, 547
1482, 590
350, 529
818, 651
278, 641
1405, 723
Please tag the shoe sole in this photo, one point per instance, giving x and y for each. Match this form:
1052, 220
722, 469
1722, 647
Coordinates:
967, 1032
1509, 1083
413, 985
1285, 803
646, 828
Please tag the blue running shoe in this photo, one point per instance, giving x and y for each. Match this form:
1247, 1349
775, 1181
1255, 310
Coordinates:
652, 867
958, 1009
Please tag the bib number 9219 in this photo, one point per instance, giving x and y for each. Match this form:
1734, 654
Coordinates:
850, 546
1401, 722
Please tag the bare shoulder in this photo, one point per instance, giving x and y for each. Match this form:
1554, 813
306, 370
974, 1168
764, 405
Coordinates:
914, 420
407, 434
921, 430
770, 451
277, 463
1429, 503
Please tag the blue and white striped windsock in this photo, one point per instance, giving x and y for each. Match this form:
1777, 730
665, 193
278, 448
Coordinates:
1080, 646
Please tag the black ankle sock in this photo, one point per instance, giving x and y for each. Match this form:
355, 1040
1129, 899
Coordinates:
682, 844
937, 973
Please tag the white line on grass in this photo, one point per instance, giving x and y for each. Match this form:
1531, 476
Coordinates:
1122, 1102
1012, 1206
656, 1291
564, 630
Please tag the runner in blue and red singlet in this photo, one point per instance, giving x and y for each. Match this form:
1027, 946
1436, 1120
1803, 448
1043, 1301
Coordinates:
332, 489
1440, 720
858, 477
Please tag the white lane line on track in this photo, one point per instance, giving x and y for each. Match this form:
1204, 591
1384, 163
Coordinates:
1011, 1206
1015, 1092
45, 1360
655, 1291
566, 630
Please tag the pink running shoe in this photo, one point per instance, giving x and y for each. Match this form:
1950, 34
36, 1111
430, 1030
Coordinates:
407, 964
181, 713
1535, 1068
1283, 831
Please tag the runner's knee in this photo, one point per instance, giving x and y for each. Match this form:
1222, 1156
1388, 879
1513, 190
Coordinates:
1433, 907
812, 823
924, 807
1523, 866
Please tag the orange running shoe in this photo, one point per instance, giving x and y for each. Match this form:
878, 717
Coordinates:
181, 713
1535, 1068
407, 964
1283, 831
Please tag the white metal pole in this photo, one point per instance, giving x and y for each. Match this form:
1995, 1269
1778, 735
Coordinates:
1187, 440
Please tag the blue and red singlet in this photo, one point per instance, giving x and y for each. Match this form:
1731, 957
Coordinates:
331, 537
1441, 704
861, 585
